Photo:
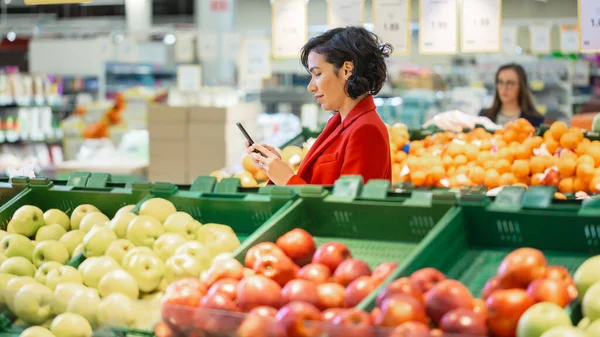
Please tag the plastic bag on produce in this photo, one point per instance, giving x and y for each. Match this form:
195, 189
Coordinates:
456, 121
27, 170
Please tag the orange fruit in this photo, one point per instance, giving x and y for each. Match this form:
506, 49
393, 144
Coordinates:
491, 179
569, 141
595, 185
451, 171
437, 173
510, 136
506, 179
415, 145
533, 142
559, 196
579, 185
400, 156
551, 145
477, 175
505, 153
569, 154
585, 172
460, 160
471, 151
447, 161
548, 135
486, 145
418, 178
393, 147
566, 185
248, 165
520, 168
503, 166
483, 156
582, 147
577, 131
490, 164
586, 158
537, 164
558, 129
566, 167
594, 152
454, 149
536, 179
523, 180
521, 152
463, 169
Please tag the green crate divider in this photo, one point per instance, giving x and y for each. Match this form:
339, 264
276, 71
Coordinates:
10, 188
470, 243
374, 231
302, 137
243, 212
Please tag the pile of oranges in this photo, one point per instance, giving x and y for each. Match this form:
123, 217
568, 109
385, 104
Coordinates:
563, 158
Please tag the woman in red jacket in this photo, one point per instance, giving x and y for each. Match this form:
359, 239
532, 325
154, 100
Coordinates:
347, 66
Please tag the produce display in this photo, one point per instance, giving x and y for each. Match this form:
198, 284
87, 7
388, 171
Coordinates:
288, 280
130, 261
562, 157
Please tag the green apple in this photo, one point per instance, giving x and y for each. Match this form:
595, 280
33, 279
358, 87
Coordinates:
36, 331
3, 233
117, 310
144, 230
79, 212
217, 238
157, 208
72, 239
181, 266
12, 287
540, 318
120, 223
32, 303
50, 232
18, 266
42, 272
124, 209
584, 323
96, 242
50, 250
63, 294
64, 274
586, 275
565, 331
593, 329
78, 250
95, 268
92, 219
85, 302
198, 251
119, 281
71, 325
17, 245
183, 224
4, 278
118, 249
166, 244
3, 257
590, 306
57, 217
147, 270
134, 252
26, 221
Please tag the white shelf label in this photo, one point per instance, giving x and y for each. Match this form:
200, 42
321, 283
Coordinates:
391, 20
208, 46
184, 48
509, 40
438, 27
230, 46
289, 29
589, 25
189, 77
569, 39
481, 21
540, 39
255, 61
344, 13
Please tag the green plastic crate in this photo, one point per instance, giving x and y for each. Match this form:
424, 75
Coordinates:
302, 137
9, 188
470, 243
374, 228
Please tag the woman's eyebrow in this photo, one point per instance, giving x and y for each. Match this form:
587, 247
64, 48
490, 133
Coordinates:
313, 68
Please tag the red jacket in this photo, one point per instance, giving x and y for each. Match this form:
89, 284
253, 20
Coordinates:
357, 146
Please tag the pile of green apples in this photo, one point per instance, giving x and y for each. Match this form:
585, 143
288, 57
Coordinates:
130, 261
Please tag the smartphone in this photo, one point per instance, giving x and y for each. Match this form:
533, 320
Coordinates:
245, 133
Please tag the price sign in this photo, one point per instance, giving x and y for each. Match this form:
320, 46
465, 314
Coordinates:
391, 21
230, 46
589, 26
289, 28
184, 48
581, 73
540, 39
344, 13
481, 21
208, 46
189, 77
569, 39
437, 27
509, 40
255, 60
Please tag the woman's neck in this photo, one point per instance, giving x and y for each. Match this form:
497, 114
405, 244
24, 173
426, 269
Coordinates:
349, 104
510, 109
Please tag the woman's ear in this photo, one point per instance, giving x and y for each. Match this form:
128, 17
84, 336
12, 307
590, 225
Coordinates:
348, 68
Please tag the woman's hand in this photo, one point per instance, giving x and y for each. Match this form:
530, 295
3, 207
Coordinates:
270, 161
250, 149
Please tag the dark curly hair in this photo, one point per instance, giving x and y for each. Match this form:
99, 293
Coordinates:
354, 44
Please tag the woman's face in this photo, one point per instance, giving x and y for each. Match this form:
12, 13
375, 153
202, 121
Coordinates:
327, 84
507, 85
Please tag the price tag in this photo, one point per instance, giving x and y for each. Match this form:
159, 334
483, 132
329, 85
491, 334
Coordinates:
540, 39
289, 28
569, 39
481, 21
437, 27
344, 13
391, 21
509, 40
589, 26
255, 60
581, 73
189, 77
230, 46
208, 46
184, 48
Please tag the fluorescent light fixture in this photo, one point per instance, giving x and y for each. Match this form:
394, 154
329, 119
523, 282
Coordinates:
169, 39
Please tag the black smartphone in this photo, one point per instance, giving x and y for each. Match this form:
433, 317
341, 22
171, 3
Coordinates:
245, 133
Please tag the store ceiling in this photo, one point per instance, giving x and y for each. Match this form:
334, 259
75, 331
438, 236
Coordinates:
101, 8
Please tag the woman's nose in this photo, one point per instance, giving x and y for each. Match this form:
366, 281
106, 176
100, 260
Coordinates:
311, 87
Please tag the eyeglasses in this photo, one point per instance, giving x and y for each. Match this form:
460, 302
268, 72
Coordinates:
507, 84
